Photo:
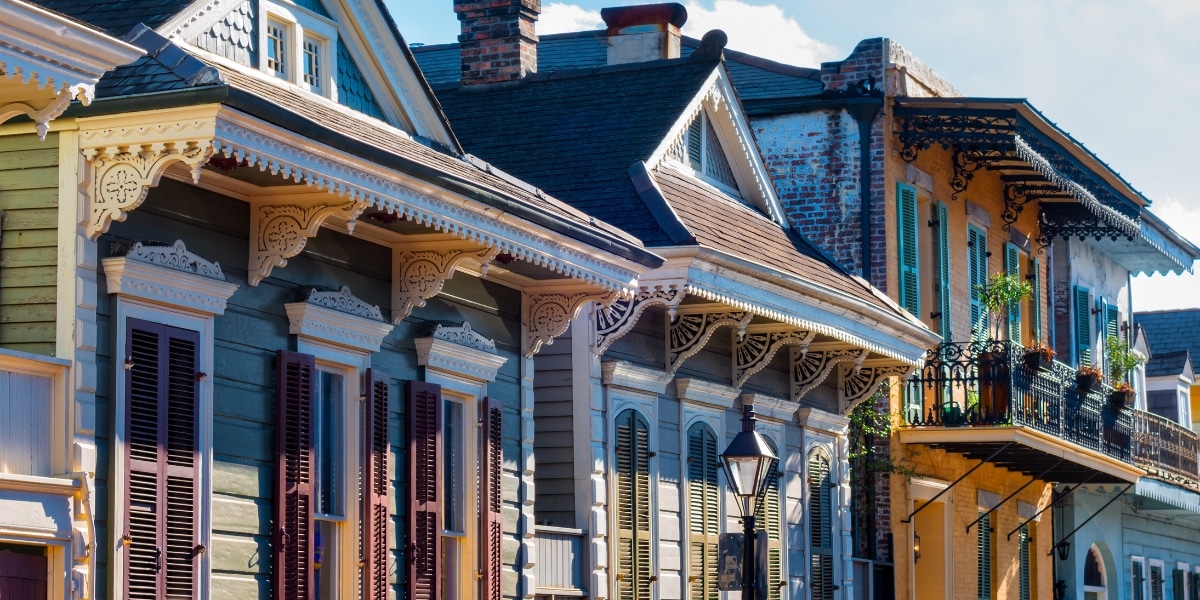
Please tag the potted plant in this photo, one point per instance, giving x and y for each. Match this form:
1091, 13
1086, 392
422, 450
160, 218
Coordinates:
1120, 360
1038, 356
1000, 293
1087, 378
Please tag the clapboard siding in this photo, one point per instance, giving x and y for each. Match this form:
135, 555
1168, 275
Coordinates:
29, 247
255, 325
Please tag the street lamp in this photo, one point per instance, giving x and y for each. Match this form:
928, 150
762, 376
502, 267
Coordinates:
748, 464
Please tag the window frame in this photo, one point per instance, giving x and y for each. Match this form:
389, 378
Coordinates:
1162, 570
685, 166
300, 25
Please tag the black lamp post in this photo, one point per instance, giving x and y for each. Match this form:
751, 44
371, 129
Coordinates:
748, 463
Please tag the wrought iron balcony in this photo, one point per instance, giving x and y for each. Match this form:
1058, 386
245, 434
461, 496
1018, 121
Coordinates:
1165, 449
559, 571
989, 384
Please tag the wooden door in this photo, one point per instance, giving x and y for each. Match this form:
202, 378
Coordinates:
22, 576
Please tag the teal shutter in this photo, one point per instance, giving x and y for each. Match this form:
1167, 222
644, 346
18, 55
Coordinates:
1035, 304
1012, 266
910, 279
1083, 327
977, 275
1137, 581
1156, 582
1024, 583
942, 255
984, 545
1112, 321
1177, 585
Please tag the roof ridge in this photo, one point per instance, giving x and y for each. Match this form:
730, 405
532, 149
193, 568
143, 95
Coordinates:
193, 71
760, 62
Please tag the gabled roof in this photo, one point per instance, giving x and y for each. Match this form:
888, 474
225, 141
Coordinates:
1168, 364
1171, 331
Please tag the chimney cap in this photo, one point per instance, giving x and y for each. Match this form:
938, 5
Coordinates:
619, 17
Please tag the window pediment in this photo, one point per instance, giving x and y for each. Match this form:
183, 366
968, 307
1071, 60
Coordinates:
170, 275
460, 350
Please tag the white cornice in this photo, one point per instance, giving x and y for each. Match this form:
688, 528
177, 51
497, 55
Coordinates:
770, 407
706, 392
619, 373
815, 418
155, 283
327, 325
473, 362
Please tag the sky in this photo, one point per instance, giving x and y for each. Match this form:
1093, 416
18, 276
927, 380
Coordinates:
1121, 76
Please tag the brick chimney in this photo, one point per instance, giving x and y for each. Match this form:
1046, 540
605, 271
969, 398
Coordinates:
498, 42
643, 33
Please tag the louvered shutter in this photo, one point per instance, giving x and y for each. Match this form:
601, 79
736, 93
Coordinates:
943, 257
910, 278
1137, 580
161, 390
1035, 305
977, 276
633, 506
425, 489
1083, 326
1024, 583
1178, 578
1012, 266
1112, 321
704, 518
1194, 585
984, 554
695, 141
1156, 582
376, 499
492, 463
293, 490
767, 515
820, 526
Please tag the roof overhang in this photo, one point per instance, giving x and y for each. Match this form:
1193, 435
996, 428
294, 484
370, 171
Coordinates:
1030, 452
1166, 499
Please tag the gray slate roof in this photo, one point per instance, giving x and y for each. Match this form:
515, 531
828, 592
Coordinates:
1171, 331
1167, 363
753, 77
117, 17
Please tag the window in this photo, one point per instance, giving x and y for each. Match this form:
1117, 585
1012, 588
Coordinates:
977, 269
985, 545
1137, 578
1035, 305
700, 149
277, 48
1179, 582
299, 46
457, 444
941, 257
329, 470
634, 537
1095, 584
820, 525
1157, 581
704, 512
312, 64
1025, 563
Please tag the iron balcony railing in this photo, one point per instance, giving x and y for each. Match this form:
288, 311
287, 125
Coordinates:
1165, 449
988, 383
559, 571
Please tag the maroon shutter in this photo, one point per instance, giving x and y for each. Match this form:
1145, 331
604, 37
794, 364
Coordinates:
161, 391
492, 462
425, 488
375, 499
293, 488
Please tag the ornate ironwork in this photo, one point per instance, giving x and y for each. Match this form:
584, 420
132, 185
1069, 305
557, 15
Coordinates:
1166, 449
969, 160
987, 383
1019, 194
920, 130
1069, 220
1062, 163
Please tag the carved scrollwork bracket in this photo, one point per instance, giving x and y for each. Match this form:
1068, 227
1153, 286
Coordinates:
618, 318
418, 275
279, 231
811, 365
859, 382
754, 351
120, 176
548, 315
695, 325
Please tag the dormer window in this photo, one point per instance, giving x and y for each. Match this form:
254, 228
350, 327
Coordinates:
700, 150
299, 46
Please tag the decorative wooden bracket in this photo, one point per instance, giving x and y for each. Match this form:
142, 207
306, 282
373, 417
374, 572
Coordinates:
754, 351
418, 275
859, 382
548, 315
695, 325
280, 230
810, 366
618, 318
120, 176
44, 110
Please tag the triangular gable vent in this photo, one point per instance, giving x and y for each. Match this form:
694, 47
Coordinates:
700, 148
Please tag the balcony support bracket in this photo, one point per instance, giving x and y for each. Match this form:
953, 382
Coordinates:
957, 481
1010, 496
1085, 522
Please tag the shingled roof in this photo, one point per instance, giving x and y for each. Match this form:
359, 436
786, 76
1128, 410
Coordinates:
1171, 331
118, 17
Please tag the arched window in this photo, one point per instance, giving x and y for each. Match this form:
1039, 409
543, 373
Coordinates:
704, 518
1095, 584
634, 522
820, 525
768, 516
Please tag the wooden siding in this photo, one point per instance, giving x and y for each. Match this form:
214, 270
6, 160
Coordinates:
25, 435
29, 247
253, 327
553, 440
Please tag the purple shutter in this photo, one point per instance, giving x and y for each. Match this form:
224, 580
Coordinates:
375, 497
425, 488
293, 492
492, 463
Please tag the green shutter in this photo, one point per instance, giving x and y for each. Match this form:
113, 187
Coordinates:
1156, 583
820, 526
910, 279
1035, 304
1112, 321
1012, 266
1137, 580
1024, 582
984, 547
977, 275
1083, 327
633, 506
1177, 584
942, 254
704, 517
768, 515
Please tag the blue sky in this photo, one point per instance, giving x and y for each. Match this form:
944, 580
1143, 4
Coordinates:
1123, 77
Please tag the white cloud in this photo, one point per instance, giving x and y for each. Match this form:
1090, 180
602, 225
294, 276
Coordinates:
764, 31
558, 17
1164, 292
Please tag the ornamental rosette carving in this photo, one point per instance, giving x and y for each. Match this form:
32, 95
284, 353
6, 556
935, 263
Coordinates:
120, 176
810, 366
280, 231
548, 316
418, 275
618, 318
